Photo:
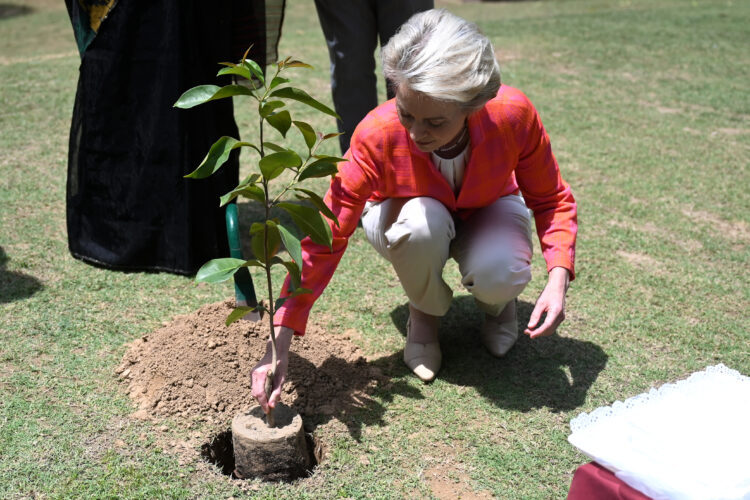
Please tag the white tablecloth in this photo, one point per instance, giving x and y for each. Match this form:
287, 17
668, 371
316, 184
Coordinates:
686, 440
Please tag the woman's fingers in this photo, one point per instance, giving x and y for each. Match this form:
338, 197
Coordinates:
260, 372
535, 315
258, 390
555, 316
276, 393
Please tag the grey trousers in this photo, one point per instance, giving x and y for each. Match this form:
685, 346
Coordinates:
417, 236
352, 29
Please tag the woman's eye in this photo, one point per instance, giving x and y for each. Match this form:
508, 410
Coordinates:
436, 124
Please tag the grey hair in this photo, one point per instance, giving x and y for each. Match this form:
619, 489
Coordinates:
445, 57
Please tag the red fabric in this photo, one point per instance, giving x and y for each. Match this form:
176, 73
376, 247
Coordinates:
509, 150
594, 482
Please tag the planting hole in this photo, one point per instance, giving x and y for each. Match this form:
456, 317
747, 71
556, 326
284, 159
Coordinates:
219, 451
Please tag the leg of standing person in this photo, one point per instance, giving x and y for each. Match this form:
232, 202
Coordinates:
391, 14
493, 250
351, 35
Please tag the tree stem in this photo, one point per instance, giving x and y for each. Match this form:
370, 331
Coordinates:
271, 374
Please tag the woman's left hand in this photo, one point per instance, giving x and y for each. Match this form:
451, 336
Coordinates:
552, 302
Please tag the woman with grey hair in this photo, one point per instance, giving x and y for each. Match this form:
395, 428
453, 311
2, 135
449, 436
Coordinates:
450, 168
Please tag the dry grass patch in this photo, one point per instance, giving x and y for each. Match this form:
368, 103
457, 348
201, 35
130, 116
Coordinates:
734, 230
448, 477
643, 262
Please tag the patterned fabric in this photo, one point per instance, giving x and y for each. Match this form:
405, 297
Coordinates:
87, 17
253, 21
510, 152
128, 205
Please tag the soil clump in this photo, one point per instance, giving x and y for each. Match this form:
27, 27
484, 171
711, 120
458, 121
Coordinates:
198, 368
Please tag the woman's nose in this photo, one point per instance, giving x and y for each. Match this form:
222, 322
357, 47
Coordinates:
416, 131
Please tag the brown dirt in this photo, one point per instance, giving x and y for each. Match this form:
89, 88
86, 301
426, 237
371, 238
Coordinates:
452, 484
197, 368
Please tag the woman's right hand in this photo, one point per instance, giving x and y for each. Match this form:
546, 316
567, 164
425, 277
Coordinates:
260, 372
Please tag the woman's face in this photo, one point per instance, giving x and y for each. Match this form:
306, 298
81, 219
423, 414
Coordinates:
431, 124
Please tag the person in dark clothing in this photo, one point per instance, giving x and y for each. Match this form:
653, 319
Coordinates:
352, 30
128, 205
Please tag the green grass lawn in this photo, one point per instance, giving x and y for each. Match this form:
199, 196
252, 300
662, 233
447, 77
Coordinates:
646, 102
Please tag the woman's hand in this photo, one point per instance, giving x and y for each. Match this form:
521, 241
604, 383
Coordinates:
260, 372
552, 302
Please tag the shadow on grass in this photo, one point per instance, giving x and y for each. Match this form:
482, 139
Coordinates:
337, 389
553, 372
342, 390
13, 285
8, 10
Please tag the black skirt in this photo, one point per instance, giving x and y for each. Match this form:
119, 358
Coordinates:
128, 205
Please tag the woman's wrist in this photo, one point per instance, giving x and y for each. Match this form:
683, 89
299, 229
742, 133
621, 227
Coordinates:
284, 337
559, 277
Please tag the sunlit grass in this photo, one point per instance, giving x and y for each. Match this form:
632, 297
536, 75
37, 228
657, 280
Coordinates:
646, 105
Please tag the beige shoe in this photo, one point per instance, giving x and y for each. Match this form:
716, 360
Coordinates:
499, 333
423, 359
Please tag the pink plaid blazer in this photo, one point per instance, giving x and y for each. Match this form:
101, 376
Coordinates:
510, 150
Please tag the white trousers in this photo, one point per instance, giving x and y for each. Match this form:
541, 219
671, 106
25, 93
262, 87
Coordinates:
417, 236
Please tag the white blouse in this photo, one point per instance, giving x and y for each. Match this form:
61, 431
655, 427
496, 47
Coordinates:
453, 168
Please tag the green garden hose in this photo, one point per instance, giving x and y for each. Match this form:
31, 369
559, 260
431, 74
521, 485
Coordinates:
244, 291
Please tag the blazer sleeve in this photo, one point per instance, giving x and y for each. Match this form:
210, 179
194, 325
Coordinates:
546, 193
350, 188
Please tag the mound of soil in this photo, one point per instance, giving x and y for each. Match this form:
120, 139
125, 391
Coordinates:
198, 368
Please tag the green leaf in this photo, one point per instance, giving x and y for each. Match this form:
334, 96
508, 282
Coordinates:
252, 192
305, 98
250, 179
196, 95
308, 133
256, 227
218, 270
278, 80
281, 121
238, 313
233, 90
292, 245
319, 168
226, 198
274, 147
279, 302
204, 93
332, 159
310, 222
257, 243
298, 291
292, 268
269, 107
255, 69
271, 166
294, 272
316, 200
235, 70
216, 157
